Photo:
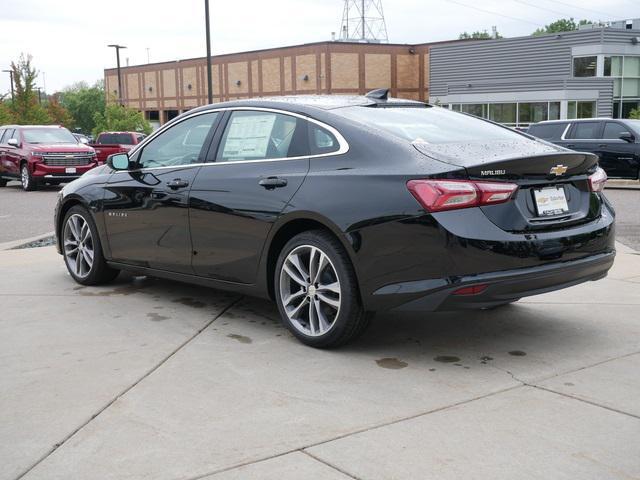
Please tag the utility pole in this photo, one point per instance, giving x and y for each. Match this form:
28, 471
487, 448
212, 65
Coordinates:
363, 37
148, 56
118, 47
10, 72
209, 79
39, 95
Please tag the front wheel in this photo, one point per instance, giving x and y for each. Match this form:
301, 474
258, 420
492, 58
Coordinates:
317, 291
82, 249
3, 182
28, 182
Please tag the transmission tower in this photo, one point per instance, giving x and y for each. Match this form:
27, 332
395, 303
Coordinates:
363, 21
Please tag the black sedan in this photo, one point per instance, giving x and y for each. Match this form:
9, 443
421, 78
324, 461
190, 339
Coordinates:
337, 207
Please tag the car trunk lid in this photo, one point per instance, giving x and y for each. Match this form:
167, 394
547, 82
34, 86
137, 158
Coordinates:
553, 182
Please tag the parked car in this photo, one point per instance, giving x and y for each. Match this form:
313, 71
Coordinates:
614, 141
109, 143
82, 138
336, 207
38, 154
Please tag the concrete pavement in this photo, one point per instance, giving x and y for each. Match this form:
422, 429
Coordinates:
150, 379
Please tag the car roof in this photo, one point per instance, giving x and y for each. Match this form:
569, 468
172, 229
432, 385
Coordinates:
576, 120
31, 126
311, 102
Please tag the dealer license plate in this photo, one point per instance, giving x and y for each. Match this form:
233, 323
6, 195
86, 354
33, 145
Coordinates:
551, 201
70, 170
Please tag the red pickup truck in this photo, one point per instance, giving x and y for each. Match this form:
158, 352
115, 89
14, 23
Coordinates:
109, 143
38, 154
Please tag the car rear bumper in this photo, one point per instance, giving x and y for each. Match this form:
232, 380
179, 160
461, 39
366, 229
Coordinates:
501, 287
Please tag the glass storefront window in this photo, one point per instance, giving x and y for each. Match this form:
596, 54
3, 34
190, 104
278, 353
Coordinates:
585, 66
612, 66
554, 110
581, 110
477, 109
533, 112
631, 67
631, 87
502, 112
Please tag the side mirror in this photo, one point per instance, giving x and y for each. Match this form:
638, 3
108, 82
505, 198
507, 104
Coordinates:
118, 161
13, 142
626, 136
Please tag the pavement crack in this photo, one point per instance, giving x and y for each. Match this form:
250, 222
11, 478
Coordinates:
59, 444
330, 465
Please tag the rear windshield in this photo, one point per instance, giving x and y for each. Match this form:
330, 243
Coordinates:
115, 138
48, 135
548, 131
433, 125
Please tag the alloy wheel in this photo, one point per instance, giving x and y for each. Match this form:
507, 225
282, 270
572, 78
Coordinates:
310, 290
24, 177
78, 246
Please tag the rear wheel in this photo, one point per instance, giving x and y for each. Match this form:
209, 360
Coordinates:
28, 182
3, 182
317, 291
82, 249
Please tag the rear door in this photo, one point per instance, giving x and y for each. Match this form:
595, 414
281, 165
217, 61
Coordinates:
10, 155
146, 208
584, 136
261, 159
618, 157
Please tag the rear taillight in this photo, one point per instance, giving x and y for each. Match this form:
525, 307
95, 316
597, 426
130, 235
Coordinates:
597, 180
439, 195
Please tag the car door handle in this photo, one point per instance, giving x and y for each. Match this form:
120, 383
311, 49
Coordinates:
177, 183
273, 182
571, 145
602, 145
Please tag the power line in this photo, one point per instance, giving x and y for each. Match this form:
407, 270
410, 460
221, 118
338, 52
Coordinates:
541, 8
495, 13
606, 15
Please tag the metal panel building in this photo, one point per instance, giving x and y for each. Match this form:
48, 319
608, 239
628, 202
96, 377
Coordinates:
518, 81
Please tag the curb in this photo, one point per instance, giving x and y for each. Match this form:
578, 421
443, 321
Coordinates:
17, 243
620, 184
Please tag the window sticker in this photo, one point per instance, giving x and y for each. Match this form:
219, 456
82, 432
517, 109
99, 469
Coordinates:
248, 137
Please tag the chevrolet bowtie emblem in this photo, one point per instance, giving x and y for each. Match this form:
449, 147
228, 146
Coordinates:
558, 170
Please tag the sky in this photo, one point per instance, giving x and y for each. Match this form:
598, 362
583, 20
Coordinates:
68, 38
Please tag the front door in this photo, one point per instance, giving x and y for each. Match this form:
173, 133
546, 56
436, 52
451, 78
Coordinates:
618, 157
261, 161
146, 208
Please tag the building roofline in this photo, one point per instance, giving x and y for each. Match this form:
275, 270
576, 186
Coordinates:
301, 45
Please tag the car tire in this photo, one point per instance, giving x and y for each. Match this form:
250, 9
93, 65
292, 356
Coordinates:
3, 182
28, 182
325, 311
82, 250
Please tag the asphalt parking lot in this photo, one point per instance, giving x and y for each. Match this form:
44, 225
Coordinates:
151, 379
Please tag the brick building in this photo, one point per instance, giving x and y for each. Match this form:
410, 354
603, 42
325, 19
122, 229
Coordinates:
164, 90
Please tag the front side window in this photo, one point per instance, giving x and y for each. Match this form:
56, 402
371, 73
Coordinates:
48, 135
585, 66
585, 130
256, 135
9, 133
548, 131
180, 144
613, 130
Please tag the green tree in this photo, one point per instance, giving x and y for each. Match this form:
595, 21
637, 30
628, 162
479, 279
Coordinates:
562, 25
479, 35
119, 118
25, 106
6, 115
83, 102
635, 114
58, 114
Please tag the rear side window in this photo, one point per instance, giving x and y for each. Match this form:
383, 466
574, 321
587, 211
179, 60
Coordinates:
613, 130
1, 134
322, 140
585, 131
429, 124
547, 131
257, 135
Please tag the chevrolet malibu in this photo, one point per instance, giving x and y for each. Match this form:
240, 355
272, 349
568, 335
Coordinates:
338, 207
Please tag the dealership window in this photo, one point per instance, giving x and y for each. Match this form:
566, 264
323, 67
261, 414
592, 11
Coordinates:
581, 109
503, 112
585, 66
625, 71
477, 109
